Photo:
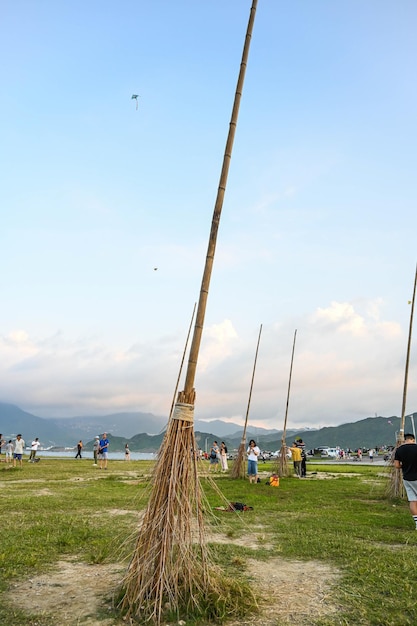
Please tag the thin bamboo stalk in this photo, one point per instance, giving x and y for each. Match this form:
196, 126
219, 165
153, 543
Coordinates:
238, 469
179, 372
395, 485
282, 468
182, 362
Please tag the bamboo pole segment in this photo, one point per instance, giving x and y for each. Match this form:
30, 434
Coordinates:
238, 469
395, 487
282, 468
171, 573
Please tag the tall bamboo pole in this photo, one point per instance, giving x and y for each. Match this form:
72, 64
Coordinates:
171, 571
205, 283
407, 362
283, 461
238, 470
395, 486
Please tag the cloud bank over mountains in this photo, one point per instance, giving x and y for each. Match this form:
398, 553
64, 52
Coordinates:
349, 364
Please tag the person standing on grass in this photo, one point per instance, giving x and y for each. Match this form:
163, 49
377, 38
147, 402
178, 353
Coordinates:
214, 457
127, 452
223, 457
33, 449
9, 451
405, 458
253, 453
96, 446
300, 444
2, 441
19, 446
296, 459
103, 450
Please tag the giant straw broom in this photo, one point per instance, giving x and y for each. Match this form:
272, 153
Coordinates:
395, 484
239, 469
170, 572
282, 461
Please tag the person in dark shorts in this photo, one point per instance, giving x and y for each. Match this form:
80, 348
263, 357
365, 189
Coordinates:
405, 458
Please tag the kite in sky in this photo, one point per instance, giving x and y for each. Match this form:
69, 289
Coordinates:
135, 96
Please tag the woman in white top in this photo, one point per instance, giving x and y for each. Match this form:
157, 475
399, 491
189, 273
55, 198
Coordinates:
253, 453
223, 457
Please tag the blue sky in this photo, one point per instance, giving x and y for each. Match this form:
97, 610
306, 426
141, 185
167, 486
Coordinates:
318, 226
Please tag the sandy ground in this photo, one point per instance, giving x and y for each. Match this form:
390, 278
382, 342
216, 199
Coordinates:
294, 593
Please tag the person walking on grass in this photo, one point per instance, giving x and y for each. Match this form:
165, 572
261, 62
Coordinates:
96, 446
103, 451
253, 453
405, 458
19, 446
79, 450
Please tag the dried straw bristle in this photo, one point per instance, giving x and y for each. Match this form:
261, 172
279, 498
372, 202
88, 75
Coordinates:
281, 465
170, 573
395, 486
239, 467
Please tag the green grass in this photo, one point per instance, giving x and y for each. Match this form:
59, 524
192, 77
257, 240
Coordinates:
61, 509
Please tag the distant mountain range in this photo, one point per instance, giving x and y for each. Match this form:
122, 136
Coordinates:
144, 431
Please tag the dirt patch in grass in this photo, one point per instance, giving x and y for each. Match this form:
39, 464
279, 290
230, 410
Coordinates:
70, 595
293, 592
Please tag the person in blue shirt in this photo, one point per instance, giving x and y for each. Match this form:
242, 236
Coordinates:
103, 451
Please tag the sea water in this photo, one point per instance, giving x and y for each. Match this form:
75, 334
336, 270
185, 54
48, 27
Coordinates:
115, 456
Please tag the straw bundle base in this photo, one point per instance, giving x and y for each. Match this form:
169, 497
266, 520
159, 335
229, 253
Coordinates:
170, 574
281, 465
239, 465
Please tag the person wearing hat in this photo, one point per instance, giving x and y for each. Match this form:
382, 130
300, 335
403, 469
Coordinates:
96, 446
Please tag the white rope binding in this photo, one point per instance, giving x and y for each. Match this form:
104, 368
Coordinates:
183, 412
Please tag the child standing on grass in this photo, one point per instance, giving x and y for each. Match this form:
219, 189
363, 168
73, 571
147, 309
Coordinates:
9, 451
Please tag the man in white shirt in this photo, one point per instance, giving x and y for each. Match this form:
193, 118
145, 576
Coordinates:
33, 449
19, 446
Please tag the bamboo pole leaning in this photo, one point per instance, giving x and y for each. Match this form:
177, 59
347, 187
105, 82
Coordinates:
171, 573
395, 487
282, 462
239, 467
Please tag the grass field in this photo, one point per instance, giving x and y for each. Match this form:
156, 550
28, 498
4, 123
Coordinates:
327, 550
